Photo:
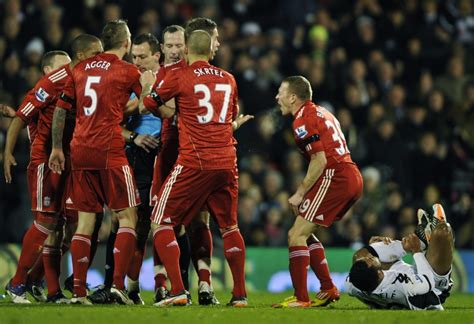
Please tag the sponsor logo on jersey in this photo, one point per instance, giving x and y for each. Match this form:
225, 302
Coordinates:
301, 131
47, 201
69, 201
41, 95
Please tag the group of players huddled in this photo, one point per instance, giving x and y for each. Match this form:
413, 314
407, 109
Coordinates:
104, 132
153, 142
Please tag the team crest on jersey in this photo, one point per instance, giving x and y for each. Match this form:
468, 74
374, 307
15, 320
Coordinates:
47, 201
41, 95
301, 131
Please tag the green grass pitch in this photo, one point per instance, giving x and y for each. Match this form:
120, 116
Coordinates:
459, 309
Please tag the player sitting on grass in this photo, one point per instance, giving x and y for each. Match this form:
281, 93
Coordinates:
381, 279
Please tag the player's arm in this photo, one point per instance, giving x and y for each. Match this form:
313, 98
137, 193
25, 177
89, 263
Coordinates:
424, 280
7, 111
57, 159
160, 101
12, 136
65, 102
315, 169
144, 141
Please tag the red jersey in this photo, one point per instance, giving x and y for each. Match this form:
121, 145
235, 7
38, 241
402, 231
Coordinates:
37, 110
169, 129
101, 87
206, 101
315, 130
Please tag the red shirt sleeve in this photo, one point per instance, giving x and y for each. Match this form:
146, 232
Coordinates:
307, 133
36, 99
169, 88
68, 96
134, 76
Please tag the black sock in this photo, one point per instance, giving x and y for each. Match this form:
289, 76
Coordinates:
185, 258
109, 260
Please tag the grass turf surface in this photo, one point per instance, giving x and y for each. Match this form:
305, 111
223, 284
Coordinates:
459, 309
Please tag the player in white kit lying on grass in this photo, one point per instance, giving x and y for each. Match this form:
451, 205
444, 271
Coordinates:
381, 279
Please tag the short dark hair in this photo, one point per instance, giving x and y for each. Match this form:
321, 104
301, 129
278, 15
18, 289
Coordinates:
48, 58
300, 86
199, 42
150, 39
200, 23
171, 29
363, 277
82, 42
114, 34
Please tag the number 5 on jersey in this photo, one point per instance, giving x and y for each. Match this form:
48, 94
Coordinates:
206, 102
90, 92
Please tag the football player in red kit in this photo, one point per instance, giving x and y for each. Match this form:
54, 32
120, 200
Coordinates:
331, 186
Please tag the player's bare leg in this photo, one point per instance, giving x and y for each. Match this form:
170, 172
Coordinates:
32, 246
440, 249
167, 248
234, 252
317, 259
124, 247
201, 253
299, 262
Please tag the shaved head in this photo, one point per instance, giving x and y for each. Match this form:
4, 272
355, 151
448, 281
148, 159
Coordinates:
199, 43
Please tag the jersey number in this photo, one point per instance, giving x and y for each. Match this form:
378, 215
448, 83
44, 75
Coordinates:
89, 92
205, 102
338, 136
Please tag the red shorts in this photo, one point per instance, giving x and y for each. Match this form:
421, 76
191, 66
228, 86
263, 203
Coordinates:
164, 162
92, 189
187, 190
336, 190
46, 188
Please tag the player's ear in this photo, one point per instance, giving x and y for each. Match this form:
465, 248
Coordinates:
47, 69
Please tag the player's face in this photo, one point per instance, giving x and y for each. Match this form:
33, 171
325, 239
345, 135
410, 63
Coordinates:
143, 58
93, 50
284, 99
173, 46
214, 43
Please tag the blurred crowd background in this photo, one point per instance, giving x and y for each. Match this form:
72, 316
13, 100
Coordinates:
399, 76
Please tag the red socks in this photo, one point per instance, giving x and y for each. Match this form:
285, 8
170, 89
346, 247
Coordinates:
125, 245
136, 263
234, 251
52, 268
299, 263
201, 251
31, 250
167, 247
80, 252
320, 266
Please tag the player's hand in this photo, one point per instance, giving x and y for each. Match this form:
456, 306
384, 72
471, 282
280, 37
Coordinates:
242, 119
8, 162
147, 78
385, 239
7, 111
295, 202
146, 142
57, 160
411, 243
